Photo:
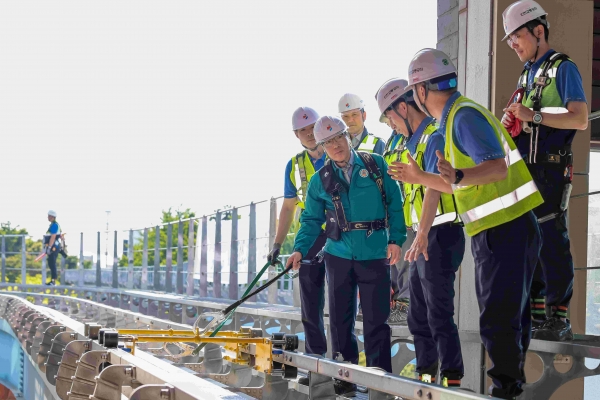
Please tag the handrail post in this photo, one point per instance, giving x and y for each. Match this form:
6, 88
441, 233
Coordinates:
272, 293
233, 259
204, 259
24, 261
81, 266
44, 273
191, 258
156, 258
168, 281
144, 280
115, 266
179, 277
3, 259
130, 260
252, 247
217, 270
98, 265
63, 267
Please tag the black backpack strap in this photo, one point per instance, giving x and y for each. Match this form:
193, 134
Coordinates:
333, 187
377, 176
543, 79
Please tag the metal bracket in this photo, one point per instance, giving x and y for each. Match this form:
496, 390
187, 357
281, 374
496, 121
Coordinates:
109, 384
320, 387
46, 344
55, 355
273, 388
68, 365
88, 367
153, 392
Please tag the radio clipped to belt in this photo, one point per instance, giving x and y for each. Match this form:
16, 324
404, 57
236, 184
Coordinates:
336, 221
566, 195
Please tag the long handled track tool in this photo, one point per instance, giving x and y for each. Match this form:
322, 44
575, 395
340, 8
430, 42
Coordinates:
220, 318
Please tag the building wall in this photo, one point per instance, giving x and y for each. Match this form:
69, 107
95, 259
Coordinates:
470, 33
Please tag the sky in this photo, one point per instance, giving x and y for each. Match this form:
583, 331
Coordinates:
138, 106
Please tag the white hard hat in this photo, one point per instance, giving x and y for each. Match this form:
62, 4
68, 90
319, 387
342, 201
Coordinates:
349, 102
303, 117
520, 13
428, 64
327, 127
52, 213
389, 93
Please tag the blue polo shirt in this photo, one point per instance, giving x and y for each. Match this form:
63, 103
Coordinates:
436, 142
289, 190
54, 228
568, 79
472, 133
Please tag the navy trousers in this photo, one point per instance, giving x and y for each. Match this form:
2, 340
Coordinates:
431, 311
52, 263
554, 274
505, 257
312, 301
372, 277
400, 272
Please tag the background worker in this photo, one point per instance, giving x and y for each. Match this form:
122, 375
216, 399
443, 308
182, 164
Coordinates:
395, 145
432, 275
352, 109
52, 243
554, 108
365, 228
298, 172
494, 195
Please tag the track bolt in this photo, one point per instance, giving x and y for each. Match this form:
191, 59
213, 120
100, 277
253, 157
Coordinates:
340, 372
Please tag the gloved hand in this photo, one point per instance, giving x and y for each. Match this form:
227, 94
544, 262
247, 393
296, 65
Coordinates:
274, 253
48, 250
512, 124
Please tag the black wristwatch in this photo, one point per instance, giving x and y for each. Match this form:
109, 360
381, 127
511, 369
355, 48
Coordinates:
392, 242
459, 176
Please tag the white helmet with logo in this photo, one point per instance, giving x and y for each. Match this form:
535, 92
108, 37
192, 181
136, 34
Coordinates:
328, 127
520, 13
387, 94
428, 64
52, 213
349, 102
303, 117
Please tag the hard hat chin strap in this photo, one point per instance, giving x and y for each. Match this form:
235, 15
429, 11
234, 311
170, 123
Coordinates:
408, 128
422, 105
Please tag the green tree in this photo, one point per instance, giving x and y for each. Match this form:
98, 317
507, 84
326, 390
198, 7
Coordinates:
168, 216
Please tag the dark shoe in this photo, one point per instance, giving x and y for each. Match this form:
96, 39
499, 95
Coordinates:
343, 388
398, 314
537, 324
50, 283
554, 329
303, 381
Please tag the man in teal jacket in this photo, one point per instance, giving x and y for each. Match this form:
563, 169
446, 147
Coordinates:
362, 207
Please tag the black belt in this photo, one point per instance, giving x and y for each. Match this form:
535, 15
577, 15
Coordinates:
368, 226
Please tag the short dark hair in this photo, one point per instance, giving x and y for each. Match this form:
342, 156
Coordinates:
531, 25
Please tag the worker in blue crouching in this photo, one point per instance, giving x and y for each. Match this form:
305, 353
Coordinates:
550, 107
298, 173
431, 275
362, 207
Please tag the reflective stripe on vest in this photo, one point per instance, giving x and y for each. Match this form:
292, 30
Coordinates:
368, 144
446, 211
484, 206
301, 173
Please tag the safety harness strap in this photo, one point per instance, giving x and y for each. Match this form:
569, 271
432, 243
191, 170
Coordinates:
334, 187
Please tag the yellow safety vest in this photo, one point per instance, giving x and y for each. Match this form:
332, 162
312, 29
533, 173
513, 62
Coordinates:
368, 143
301, 173
485, 206
390, 153
415, 193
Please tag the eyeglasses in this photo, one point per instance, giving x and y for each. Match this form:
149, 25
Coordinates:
515, 38
335, 140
